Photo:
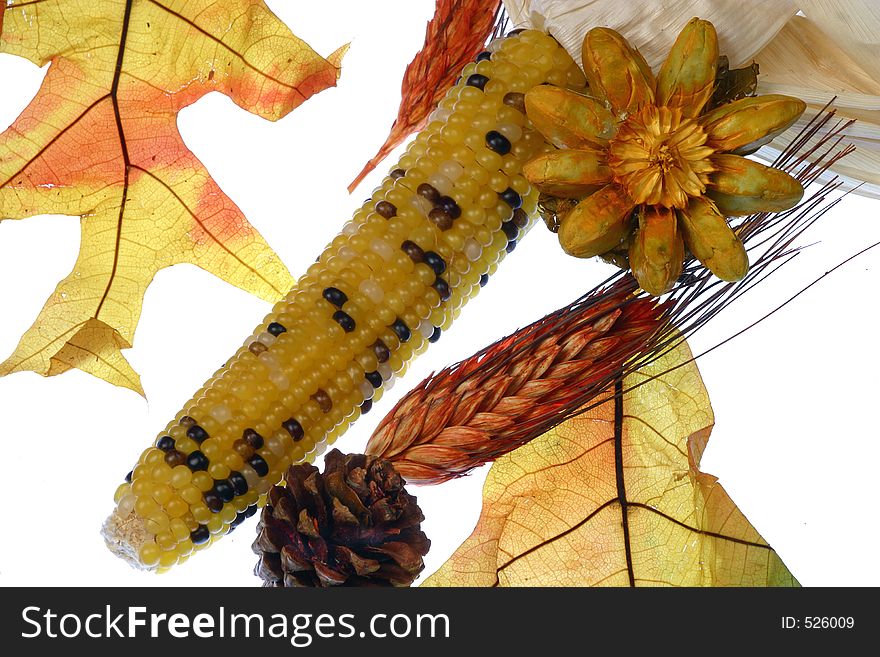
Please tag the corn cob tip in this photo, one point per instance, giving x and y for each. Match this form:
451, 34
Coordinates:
124, 536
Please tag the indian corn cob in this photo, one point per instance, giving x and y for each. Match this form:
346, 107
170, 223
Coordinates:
386, 286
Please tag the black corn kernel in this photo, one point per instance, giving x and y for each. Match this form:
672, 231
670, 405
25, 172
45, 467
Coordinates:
441, 218
239, 483
442, 288
413, 250
294, 428
435, 262
366, 406
449, 206
323, 400
401, 330
224, 489
165, 443
258, 463
344, 320
374, 378
186, 421
498, 142
276, 329
213, 501
197, 461
477, 80
428, 192
175, 458
483, 56
520, 218
516, 100
484, 279
252, 438
251, 510
195, 432
510, 246
397, 173
512, 199
381, 351
200, 535
435, 335
128, 476
510, 230
386, 209
335, 296
236, 521
257, 347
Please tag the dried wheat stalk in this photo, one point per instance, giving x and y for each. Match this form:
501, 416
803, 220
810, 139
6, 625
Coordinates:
531, 381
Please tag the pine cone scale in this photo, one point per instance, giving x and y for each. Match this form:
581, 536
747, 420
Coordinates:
353, 525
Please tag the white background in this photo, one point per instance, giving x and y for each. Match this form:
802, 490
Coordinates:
796, 439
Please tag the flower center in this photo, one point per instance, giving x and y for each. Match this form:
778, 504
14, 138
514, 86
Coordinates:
660, 158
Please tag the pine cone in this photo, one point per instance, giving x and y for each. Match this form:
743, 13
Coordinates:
354, 525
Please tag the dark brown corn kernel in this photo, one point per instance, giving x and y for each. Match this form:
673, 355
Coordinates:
386, 209
323, 400
441, 218
516, 100
241, 448
213, 501
413, 250
252, 438
428, 192
175, 458
382, 352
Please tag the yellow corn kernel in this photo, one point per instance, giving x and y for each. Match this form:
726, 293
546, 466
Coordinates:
396, 276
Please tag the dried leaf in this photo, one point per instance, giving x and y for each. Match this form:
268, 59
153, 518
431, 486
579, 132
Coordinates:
615, 497
454, 36
100, 141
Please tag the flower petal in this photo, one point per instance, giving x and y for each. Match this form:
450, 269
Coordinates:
657, 252
568, 173
567, 119
597, 224
740, 187
616, 72
746, 124
687, 77
711, 240
744, 26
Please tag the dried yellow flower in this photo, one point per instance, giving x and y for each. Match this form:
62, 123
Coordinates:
651, 168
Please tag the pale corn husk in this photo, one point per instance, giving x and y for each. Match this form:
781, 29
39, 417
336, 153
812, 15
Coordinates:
803, 61
831, 50
744, 26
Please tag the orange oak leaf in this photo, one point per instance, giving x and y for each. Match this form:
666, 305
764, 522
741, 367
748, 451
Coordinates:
454, 36
100, 141
615, 497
